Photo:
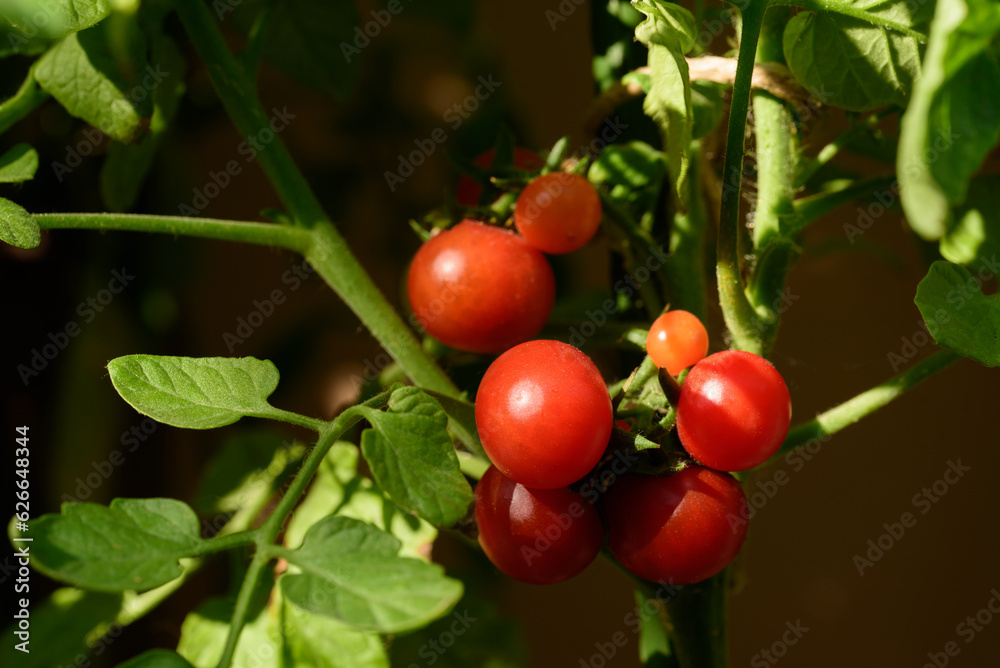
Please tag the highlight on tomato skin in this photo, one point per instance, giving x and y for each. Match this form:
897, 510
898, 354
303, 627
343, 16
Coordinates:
479, 288
676, 340
558, 212
734, 411
538, 536
468, 191
682, 528
544, 414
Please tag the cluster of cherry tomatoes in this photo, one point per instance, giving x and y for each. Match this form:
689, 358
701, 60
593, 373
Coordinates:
481, 288
545, 416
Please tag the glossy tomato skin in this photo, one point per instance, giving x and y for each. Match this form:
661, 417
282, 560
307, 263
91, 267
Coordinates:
734, 411
543, 414
467, 191
676, 340
558, 212
678, 529
539, 536
479, 288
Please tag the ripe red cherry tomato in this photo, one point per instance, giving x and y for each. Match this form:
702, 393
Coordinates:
543, 414
679, 529
734, 411
558, 212
480, 288
540, 536
467, 191
676, 340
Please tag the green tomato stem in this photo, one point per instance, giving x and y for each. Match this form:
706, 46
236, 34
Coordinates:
741, 319
777, 160
830, 422
27, 97
329, 253
238, 96
296, 418
267, 234
696, 619
268, 533
334, 261
254, 572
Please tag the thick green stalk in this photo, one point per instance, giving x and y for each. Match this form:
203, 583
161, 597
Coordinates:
329, 254
696, 622
776, 167
332, 260
237, 93
268, 234
741, 319
852, 410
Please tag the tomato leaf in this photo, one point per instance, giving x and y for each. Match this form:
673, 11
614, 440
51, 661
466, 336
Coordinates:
195, 392
278, 635
669, 32
317, 42
127, 165
352, 572
17, 227
15, 43
82, 72
622, 168
954, 116
18, 164
958, 315
851, 63
316, 640
411, 457
66, 620
52, 19
131, 544
157, 658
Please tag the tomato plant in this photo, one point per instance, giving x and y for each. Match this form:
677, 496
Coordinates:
455, 408
540, 536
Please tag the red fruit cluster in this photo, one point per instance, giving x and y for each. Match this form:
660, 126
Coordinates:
544, 417
482, 289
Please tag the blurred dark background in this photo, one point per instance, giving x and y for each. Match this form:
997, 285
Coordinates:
851, 307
